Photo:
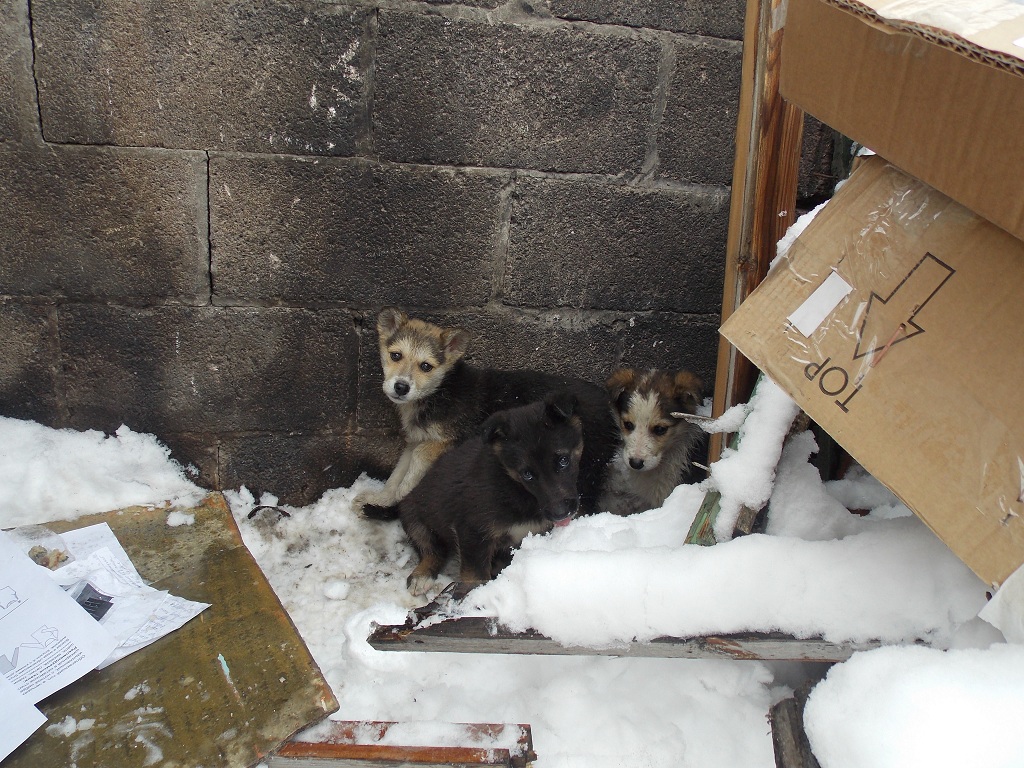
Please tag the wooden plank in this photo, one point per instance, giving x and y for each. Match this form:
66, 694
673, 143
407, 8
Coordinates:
484, 635
702, 529
223, 690
765, 173
792, 749
354, 744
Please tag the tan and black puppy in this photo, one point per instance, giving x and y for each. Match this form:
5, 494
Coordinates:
477, 502
656, 447
442, 399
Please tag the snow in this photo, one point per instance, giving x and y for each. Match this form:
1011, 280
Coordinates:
744, 474
818, 570
61, 474
962, 707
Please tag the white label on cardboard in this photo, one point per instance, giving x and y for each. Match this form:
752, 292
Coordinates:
820, 304
1019, 42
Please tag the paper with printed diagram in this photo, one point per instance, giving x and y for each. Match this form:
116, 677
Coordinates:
103, 579
46, 640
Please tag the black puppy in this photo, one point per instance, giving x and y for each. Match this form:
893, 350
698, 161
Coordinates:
479, 500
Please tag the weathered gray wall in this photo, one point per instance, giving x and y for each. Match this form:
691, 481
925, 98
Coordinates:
205, 203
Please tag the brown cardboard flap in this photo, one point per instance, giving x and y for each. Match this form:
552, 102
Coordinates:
917, 371
950, 116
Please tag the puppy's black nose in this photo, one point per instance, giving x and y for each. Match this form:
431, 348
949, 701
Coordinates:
401, 388
636, 463
569, 506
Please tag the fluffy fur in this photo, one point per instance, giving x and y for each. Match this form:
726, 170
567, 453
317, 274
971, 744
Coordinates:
479, 500
442, 399
656, 447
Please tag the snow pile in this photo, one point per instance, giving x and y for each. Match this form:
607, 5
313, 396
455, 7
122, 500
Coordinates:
744, 474
602, 577
595, 584
50, 474
896, 707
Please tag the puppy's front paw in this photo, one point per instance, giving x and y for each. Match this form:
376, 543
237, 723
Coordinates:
419, 584
364, 498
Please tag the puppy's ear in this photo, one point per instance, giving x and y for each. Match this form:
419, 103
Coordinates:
390, 320
559, 406
495, 428
454, 342
618, 383
687, 388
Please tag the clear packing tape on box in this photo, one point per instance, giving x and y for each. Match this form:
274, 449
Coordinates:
896, 321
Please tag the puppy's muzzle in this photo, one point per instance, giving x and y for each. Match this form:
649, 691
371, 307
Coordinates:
566, 510
637, 464
398, 390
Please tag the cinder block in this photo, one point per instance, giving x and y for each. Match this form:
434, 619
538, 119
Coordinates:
459, 92
698, 130
197, 453
660, 340
208, 369
568, 343
598, 246
29, 362
19, 119
298, 468
259, 76
307, 231
714, 18
103, 223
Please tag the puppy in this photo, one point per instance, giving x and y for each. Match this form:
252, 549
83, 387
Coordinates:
442, 399
478, 501
656, 447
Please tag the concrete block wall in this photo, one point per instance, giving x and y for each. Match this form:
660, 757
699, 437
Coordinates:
204, 204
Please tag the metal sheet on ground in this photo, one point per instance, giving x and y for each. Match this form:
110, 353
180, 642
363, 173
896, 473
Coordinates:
224, 690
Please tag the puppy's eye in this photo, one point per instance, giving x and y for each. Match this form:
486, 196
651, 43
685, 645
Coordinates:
527, 475
396, 356
629, 426
426, 367
563, 461
659, 430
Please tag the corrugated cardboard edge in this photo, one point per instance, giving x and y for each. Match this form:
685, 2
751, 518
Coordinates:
992, 46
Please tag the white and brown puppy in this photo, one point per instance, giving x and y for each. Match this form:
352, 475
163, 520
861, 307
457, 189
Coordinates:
656, 446
442, 400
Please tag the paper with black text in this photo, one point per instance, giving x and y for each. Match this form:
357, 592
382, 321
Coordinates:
47, 640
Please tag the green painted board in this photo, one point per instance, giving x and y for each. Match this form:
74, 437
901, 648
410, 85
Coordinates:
222, 691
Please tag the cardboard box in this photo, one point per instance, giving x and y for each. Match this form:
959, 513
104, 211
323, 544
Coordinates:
945, 109
896, 321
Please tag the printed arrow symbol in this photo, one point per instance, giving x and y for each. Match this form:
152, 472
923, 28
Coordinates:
890, 320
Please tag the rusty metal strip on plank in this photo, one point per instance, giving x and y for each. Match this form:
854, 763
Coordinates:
352, 743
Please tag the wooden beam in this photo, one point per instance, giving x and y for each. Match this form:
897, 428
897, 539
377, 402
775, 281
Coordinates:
792, 749
485, 635
765, 172
365, 744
